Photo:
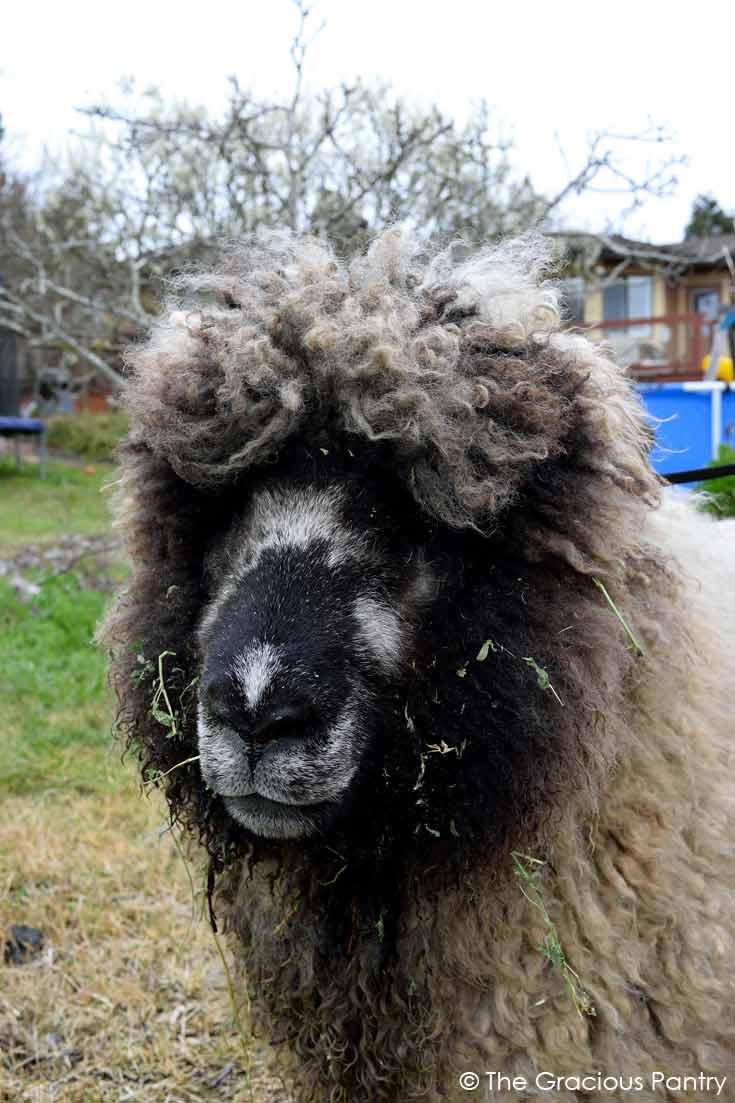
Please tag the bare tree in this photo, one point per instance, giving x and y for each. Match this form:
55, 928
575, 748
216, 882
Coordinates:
153, 186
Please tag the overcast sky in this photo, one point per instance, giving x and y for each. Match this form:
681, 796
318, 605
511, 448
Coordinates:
550, 70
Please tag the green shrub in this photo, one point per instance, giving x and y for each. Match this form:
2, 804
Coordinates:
720, 500
93, 437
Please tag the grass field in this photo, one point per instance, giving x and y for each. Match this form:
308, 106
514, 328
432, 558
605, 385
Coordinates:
127, 1000
54, 716
69, 499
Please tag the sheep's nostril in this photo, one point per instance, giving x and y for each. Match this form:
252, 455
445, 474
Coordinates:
220, 704
274, 719
281, 721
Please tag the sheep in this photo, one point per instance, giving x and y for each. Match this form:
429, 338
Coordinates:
447, 668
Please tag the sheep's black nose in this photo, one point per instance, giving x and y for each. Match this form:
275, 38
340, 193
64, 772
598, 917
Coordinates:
284, 719
273, 719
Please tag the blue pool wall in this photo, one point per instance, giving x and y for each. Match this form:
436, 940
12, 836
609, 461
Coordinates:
691, 420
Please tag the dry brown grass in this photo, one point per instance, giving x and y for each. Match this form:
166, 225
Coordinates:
127, 1000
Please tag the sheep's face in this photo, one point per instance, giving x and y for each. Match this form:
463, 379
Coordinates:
314, 595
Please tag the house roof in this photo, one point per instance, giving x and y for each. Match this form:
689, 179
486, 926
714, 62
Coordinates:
677, 257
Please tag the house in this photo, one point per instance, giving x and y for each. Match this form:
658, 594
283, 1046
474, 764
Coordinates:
656, 305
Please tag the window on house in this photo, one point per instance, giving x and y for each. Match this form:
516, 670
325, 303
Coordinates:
707, 303
629, 297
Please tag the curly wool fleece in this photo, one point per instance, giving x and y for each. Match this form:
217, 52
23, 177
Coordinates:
498, 422
429, 354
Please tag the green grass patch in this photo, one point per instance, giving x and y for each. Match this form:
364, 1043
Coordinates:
54, 710
67, 500
720, 499
91, 436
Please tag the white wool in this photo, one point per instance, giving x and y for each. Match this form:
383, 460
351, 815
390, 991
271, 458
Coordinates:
505, 282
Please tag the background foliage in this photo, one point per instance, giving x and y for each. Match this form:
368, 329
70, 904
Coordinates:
151, 186
720, 500
708, 219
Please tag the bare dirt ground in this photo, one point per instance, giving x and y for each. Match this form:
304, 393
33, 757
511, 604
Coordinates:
92, 558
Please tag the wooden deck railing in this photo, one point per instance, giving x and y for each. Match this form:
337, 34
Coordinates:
671, 349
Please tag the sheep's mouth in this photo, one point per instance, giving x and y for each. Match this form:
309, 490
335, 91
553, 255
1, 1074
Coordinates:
277, 819
254, 802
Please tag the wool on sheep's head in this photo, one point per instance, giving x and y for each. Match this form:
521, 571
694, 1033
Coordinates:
361, 500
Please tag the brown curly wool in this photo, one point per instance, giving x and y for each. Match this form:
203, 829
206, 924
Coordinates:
404, 953
425, 353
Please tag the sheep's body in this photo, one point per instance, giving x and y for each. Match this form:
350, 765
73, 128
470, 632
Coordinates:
390, 947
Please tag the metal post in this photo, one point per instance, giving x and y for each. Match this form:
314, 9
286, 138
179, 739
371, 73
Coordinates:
42, 452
